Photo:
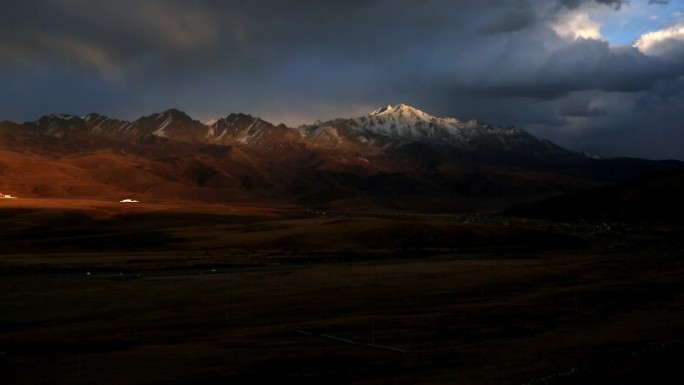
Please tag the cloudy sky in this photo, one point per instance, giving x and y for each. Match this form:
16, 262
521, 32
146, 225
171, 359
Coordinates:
604, 76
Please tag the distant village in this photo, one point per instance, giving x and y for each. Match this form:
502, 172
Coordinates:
6, 196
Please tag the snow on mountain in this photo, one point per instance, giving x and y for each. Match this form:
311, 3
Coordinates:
102, 125
57, 125
160, 131
240, 128
406, 122
403, 110
386, 128
395, 125
171, 124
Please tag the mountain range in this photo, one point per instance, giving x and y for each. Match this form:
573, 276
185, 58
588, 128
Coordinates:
394, 157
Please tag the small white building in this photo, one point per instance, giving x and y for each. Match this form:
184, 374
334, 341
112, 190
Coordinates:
128, 200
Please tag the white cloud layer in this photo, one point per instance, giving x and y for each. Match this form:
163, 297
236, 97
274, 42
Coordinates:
667, 43
576, 25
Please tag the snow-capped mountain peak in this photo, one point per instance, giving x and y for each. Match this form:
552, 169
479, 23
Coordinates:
382, 110
393, 126
406, 122
402, 110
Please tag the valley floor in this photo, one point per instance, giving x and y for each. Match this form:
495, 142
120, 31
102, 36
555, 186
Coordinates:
93, 293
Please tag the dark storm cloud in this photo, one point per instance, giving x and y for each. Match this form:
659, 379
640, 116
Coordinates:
580, 107
496, 60
581, 65
109, 37
573, 4
515, 17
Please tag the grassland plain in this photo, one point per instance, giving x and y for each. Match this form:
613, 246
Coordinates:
171, 293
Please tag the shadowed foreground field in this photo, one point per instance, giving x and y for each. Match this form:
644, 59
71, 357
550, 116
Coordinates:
210, 303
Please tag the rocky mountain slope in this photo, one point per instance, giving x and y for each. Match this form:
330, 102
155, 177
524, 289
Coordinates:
397, 156
386, 128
